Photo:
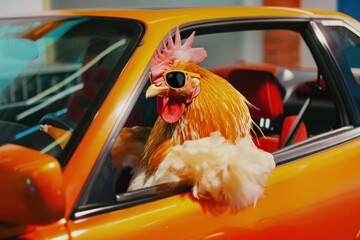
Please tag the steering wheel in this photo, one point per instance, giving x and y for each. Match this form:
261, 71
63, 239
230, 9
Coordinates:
58, 121
31, 137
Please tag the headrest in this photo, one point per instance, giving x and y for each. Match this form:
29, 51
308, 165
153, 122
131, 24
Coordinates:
261, 89
303, 91
93, 79
226, 70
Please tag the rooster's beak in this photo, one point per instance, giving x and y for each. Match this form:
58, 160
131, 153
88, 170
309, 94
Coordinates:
153, 91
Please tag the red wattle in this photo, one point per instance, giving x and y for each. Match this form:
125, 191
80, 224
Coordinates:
170, 109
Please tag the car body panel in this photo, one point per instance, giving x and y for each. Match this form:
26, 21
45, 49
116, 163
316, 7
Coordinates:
57, 230
289, 209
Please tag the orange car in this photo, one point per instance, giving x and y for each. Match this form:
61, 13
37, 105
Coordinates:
86, 72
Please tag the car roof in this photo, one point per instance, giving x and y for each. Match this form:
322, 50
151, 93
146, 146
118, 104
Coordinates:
183, 15
162, 21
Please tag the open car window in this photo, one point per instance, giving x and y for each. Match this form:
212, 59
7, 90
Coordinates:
273, 68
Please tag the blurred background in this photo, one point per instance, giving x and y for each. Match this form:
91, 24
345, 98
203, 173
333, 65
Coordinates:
11, 7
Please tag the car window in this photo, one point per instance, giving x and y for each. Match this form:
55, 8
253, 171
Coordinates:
281, 60
271, 56
278, 59
349, 45
52, 69
347, 48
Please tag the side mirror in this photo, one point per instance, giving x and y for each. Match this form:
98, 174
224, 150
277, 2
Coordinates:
32, 189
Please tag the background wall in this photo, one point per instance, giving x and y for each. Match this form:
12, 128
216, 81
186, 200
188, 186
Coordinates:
349, 7
10, 7
320, 4
63, 4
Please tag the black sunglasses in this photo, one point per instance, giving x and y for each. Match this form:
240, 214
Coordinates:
176, 79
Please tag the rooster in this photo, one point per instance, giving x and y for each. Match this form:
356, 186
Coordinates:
200, 115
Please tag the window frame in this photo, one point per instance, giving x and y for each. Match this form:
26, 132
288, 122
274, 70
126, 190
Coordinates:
106, 87
349, 82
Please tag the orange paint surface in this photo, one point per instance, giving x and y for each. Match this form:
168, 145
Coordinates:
314, 197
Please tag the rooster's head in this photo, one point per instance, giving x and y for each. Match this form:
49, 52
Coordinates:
174, 87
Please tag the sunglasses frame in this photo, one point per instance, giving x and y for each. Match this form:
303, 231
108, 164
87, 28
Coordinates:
185, 73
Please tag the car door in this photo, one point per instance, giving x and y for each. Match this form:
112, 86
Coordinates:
312, 192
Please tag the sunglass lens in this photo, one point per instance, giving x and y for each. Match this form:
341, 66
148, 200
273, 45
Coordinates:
175, 79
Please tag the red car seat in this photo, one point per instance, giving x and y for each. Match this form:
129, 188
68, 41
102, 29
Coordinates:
259, 85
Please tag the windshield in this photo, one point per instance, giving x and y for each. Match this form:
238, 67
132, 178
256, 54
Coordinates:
51, 70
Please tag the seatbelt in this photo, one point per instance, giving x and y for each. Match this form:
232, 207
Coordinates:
296, 125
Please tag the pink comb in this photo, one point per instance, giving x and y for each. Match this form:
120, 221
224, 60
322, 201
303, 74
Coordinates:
174, 53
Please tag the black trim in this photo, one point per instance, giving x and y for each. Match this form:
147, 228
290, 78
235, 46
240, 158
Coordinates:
329, 68
316, 144
238, 24
133, 198
344, 72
